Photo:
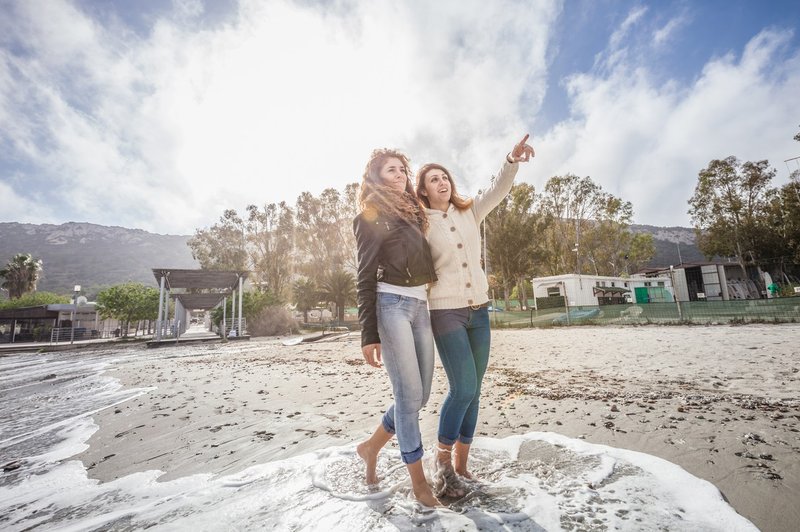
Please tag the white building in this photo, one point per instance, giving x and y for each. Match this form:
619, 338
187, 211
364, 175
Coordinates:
594, 290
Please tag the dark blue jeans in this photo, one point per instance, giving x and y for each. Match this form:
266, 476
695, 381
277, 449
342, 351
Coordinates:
462, 338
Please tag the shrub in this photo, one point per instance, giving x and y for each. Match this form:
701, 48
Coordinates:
273, 320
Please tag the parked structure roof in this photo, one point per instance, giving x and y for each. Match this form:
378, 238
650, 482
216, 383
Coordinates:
199, 279
199, 289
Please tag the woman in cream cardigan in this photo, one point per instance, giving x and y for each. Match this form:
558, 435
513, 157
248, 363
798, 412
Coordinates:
458, 303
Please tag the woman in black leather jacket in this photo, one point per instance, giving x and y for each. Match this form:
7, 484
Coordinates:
394, 264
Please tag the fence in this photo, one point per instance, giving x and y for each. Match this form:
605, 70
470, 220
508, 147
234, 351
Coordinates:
67, 334
232, 324
701, 312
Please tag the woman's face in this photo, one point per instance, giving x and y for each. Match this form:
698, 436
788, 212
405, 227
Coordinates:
394, 174
437, 187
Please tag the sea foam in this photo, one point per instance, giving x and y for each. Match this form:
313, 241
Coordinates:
535, 481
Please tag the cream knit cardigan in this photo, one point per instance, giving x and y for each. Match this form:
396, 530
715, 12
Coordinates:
455, 241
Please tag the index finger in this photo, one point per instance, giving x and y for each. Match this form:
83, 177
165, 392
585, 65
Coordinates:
525, 138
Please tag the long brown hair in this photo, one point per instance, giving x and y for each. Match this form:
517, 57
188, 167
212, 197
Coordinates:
377, 198
458, 202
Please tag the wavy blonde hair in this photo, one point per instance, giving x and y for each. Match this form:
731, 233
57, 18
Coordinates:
457, 201
377, 198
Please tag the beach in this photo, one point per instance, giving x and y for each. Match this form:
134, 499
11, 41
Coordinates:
583, 428
721, 402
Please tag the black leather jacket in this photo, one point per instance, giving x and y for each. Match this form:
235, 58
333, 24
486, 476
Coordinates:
392, 251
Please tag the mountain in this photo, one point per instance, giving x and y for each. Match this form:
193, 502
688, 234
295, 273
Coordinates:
95, 256
92, 255
673, 245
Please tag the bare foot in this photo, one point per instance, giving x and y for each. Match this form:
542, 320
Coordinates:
424, 496
370, 458
464, 473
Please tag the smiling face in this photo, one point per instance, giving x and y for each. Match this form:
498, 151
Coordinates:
437, 188
394, 174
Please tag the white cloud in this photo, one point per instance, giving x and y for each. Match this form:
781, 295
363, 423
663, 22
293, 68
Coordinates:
21, 208
619, 36
166, 131
646, 141
663, 35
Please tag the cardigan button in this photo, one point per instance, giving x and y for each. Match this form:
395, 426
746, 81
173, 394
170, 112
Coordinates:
453, 228
469, 285
460, 245
444, 215
469, 301
463, 264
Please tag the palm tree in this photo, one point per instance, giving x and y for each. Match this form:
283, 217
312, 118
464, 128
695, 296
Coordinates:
305, 296
20, 275
339, 287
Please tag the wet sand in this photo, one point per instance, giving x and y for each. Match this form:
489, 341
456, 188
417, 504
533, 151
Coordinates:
722, 402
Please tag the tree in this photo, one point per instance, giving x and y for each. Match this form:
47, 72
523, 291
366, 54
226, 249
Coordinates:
253, 303
339, 287
305, 296
128, 302
21, 274
641, 249
325, 239
270, 238
514, 242
222, 246
34, 299
590, 229
729, 208
779, 249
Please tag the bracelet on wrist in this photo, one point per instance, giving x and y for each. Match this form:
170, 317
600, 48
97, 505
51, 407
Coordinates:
509, 159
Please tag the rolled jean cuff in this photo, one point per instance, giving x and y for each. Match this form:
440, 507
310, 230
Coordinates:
387, 426
446, 441
413, 456
465, 440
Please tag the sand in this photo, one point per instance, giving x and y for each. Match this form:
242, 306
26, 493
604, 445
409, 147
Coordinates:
722, 402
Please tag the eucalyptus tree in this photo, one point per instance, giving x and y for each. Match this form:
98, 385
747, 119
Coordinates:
324, 239
729, 208
21, 274
779, 248
223, 245
270, 239
514, 240
590, 229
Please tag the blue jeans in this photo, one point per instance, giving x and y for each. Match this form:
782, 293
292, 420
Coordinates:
404, 326
463, 338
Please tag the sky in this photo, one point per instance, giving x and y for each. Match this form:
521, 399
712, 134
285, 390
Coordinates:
159, 115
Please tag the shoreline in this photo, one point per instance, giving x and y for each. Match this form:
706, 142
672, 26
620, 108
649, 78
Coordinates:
722, 402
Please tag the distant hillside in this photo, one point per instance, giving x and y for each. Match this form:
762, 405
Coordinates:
93, 255
669, 241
